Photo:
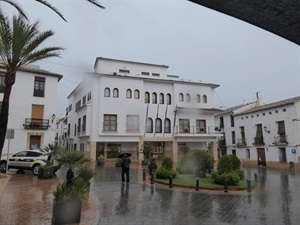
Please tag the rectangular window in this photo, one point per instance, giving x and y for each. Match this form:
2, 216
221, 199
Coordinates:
184, 126
155, 74
110, 122
132, 123
145, 73
70, 108
75, 130
78, 105
81, 147
248, 153
259, 140
37, 111
282, 155
83, 123
83, 100
221, 122
233, 137
232, 120
124, 71
200, 126
69, 128
39, 87
2, 85
79, 126
233, 152
89, 96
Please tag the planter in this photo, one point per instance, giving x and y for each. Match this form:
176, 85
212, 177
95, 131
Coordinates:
46, 173
66, 212
100, 163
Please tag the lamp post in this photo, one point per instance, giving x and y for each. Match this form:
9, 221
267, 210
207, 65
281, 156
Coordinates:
53, 117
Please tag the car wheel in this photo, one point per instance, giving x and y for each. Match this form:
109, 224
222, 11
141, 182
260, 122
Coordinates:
35, 169
3, 166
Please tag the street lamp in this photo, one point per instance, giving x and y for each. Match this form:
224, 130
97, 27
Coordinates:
53, 117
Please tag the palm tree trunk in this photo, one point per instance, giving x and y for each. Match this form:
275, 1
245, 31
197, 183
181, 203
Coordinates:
9, 81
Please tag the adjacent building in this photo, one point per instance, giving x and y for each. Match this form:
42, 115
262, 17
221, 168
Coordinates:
263, 134
32, 109
125, 104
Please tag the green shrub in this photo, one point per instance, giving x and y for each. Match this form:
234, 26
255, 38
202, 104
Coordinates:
225, 165
202, 159
163, 173
167, 163
236, 163
231, 178
240, 173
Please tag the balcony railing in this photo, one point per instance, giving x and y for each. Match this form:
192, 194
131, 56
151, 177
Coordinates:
241, 142
222, 143
36, 124
196, 130
280, 140
259, 141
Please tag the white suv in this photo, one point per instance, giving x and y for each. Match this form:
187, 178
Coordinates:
25, 160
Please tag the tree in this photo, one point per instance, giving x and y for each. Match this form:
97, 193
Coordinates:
20, 44
44, 2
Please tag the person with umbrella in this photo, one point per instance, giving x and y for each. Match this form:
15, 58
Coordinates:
125, 166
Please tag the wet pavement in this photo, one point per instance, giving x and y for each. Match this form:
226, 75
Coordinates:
275, 200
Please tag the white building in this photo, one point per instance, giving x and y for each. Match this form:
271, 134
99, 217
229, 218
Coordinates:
61, 132
124, 104
32, 109
267, 135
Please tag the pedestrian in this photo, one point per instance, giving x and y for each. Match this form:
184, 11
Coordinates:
125, 168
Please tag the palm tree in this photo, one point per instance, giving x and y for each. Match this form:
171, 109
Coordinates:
44, 2
19, 45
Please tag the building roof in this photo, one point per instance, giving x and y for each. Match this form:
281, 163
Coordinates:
281, 17
37, 71
126, 61
272, 105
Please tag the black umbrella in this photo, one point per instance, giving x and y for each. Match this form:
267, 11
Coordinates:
123, 154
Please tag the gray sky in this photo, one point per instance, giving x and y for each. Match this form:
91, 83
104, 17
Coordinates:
195, 42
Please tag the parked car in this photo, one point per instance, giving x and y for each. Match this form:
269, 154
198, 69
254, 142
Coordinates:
25, 160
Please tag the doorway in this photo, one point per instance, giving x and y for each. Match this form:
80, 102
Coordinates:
261, 157
35, 142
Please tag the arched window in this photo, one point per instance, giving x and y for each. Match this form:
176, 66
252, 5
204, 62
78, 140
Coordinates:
154, 98
167, 126
169, 102
115, 93
161, 98
128, 93
107, 92
204, 98
188, 97
181, 97
147, 97
136, 94
158, 126
149, 125
198, 98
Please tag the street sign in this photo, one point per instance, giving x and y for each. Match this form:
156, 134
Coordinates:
10, 134
293, 151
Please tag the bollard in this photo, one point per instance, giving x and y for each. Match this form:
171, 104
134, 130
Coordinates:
152, 178
150, 171
144, 174
255, 177
225, 186
170, 181
249, 185
197, 184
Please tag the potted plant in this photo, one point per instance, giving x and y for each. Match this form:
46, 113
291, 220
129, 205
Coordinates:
101, 160
67, 202
86, 173
54, 153
147, 150
68, 195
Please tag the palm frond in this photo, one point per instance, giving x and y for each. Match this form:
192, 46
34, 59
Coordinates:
52, 8
94, 2
17, 7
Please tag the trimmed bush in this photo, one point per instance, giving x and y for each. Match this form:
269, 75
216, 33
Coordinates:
231, 178
163, 173
236, 163
167, 163
225, 164
186, 165
203, 159
240, 173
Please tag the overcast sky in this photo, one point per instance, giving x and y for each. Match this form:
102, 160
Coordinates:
195, 42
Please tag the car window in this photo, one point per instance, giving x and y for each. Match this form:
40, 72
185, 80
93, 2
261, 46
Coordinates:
33, 154
21, 154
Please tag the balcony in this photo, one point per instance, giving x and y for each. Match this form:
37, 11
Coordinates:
36, 124
222, 143
280, 140
196, 130
259, 141
241, 142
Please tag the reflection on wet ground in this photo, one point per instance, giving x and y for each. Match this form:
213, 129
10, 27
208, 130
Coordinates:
276, 200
